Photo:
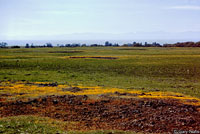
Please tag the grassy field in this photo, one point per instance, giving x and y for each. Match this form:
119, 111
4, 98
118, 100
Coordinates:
146, 69
43, 125
103, 69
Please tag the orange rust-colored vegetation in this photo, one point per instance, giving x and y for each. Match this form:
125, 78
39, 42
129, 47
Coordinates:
94, 108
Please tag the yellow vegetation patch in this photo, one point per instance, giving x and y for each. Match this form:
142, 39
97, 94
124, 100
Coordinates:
14, 90
2, 56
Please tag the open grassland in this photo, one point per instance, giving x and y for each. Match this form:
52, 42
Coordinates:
100, 90
146, 69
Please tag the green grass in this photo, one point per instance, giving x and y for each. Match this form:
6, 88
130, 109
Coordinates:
147, 69
43, 125
28, 125
165, 69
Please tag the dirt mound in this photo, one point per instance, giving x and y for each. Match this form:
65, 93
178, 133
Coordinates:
129, 94
147, 115
74, 89
48, 84
111, 58
54, 84
65, 51
131, 49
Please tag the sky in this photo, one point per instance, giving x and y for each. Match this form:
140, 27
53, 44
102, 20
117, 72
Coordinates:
99, 19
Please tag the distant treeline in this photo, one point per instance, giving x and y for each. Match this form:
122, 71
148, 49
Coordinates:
108, 44
183, 44
5, 45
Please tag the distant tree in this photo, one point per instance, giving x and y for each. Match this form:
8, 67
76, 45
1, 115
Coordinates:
107, 44
83, 45
125, 45
61, 45
198, 44
115, 45
167, 45
27, 45
49, 45
183, 44
130, 45
137, 44
155, 44
134, 43
3, 45
32, 45
75, 45
67, 45
94, 45
15, 46
147, 44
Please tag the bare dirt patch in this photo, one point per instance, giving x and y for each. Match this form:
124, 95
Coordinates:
130, 94
54, 84
65, 51
96, 57
48, 84
74, 89
131, 49
147, 115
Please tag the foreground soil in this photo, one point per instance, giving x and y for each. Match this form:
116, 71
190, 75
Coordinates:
110, 113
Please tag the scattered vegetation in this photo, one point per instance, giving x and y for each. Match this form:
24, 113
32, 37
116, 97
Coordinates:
30, 125
27, 90
44, 125
164, 69
40, 80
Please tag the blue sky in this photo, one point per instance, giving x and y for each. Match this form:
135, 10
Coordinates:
65, 19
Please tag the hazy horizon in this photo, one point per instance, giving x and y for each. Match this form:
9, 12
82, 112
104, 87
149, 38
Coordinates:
100, 20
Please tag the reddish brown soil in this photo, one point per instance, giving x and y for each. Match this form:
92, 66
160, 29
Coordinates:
110, 58
145, 115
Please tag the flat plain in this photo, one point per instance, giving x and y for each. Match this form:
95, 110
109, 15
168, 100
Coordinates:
138, 88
